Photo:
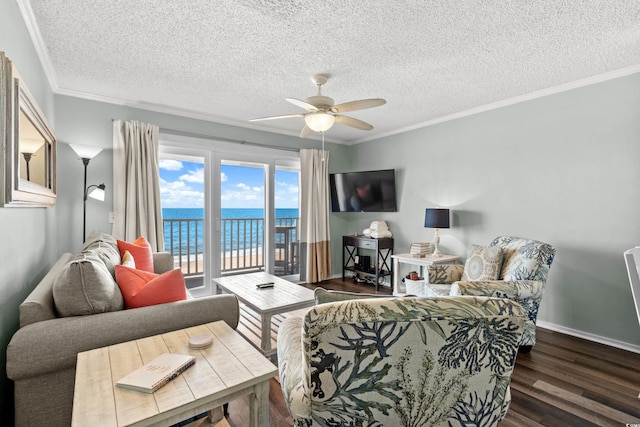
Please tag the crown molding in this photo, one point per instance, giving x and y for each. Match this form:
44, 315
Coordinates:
510, 101
38, 43
181, 112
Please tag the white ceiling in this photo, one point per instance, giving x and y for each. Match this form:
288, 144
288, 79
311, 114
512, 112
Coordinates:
233, 60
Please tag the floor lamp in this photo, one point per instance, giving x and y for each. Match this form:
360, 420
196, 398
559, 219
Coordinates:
86, 153
28, 148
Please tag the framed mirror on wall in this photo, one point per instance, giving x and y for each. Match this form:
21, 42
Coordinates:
27, 145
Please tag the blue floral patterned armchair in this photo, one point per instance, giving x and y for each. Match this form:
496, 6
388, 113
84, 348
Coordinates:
400, 361
511, 267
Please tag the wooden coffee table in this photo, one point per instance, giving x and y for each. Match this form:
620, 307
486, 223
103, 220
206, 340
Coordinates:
226, 370
260, 306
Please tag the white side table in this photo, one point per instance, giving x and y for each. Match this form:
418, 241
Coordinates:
421, 262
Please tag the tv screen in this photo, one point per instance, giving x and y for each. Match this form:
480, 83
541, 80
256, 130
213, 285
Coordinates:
371, 191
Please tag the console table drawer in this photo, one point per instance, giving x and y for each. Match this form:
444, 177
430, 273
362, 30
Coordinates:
360, 242
368, 244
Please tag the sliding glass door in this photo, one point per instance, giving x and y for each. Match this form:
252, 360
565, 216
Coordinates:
287, 221
182, 189
242, 217
229, 209
258, 217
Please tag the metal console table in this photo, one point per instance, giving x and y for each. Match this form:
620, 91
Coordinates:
382, 249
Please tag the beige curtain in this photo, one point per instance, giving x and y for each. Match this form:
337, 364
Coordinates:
315, 241
136, 182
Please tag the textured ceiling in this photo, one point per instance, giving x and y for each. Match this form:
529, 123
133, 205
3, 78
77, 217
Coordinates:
233, 60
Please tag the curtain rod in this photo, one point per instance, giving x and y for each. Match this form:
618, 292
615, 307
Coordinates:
216, 138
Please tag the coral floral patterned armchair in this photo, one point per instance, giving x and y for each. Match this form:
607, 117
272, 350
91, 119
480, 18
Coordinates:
511, 267
400, 361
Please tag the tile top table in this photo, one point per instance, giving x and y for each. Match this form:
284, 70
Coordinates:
283, 297
227, 369
421, 262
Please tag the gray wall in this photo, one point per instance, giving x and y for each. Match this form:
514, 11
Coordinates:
28, 236
562, 169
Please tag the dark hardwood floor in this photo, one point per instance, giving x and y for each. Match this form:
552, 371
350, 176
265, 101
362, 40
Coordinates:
563, 381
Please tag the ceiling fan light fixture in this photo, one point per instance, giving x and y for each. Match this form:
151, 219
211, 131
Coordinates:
320, 121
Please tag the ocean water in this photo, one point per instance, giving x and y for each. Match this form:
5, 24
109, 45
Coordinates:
242, 227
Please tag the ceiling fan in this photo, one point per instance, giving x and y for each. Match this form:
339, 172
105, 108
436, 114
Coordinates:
322, 113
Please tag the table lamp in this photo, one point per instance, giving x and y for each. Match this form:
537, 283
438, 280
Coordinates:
436, 218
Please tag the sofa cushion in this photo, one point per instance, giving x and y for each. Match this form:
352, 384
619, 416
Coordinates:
141, 288
85, 286
127, 260
141, 251
483, 263
106, 247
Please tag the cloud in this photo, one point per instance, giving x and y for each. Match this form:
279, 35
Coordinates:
196, 176
170, 165
223, 177
178, 194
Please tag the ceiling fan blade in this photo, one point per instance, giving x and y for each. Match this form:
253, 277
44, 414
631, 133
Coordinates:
358, 105
354, 123
277, 117
306, 131
302, 104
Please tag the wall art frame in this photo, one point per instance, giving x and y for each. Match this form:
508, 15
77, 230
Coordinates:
27, 145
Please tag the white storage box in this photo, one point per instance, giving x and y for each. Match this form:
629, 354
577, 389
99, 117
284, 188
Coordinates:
415, 287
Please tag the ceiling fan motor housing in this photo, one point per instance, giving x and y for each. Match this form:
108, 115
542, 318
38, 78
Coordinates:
321, 102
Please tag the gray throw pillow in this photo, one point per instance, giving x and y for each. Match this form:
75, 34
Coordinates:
105, 246
85, 286
483, 263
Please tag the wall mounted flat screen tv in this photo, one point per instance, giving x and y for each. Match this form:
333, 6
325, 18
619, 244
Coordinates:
371, 191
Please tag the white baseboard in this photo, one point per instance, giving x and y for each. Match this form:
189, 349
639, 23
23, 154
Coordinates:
590, 337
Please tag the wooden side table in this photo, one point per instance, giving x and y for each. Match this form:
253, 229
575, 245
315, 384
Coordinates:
421, 262
228, 369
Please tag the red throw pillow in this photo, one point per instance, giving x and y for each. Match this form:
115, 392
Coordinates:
140, 249
141, 288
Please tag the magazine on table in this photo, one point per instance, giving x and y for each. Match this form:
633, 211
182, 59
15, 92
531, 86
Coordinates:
153, 375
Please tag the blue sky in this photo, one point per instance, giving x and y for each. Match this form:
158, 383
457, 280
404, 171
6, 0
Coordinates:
182, 186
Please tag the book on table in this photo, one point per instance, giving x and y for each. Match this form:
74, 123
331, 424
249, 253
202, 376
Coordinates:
420, 250
153, 375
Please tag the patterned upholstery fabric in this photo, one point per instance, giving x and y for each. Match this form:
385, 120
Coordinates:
445, 274
401, 361
525, 268
526, 292
483, 263
524, 259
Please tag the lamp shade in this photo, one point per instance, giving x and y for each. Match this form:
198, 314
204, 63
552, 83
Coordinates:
97, 193
30, 146
85, 151
436, 218
320, 121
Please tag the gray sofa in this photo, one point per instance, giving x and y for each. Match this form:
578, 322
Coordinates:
41, 357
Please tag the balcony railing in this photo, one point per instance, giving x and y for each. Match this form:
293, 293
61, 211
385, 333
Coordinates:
242, 244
